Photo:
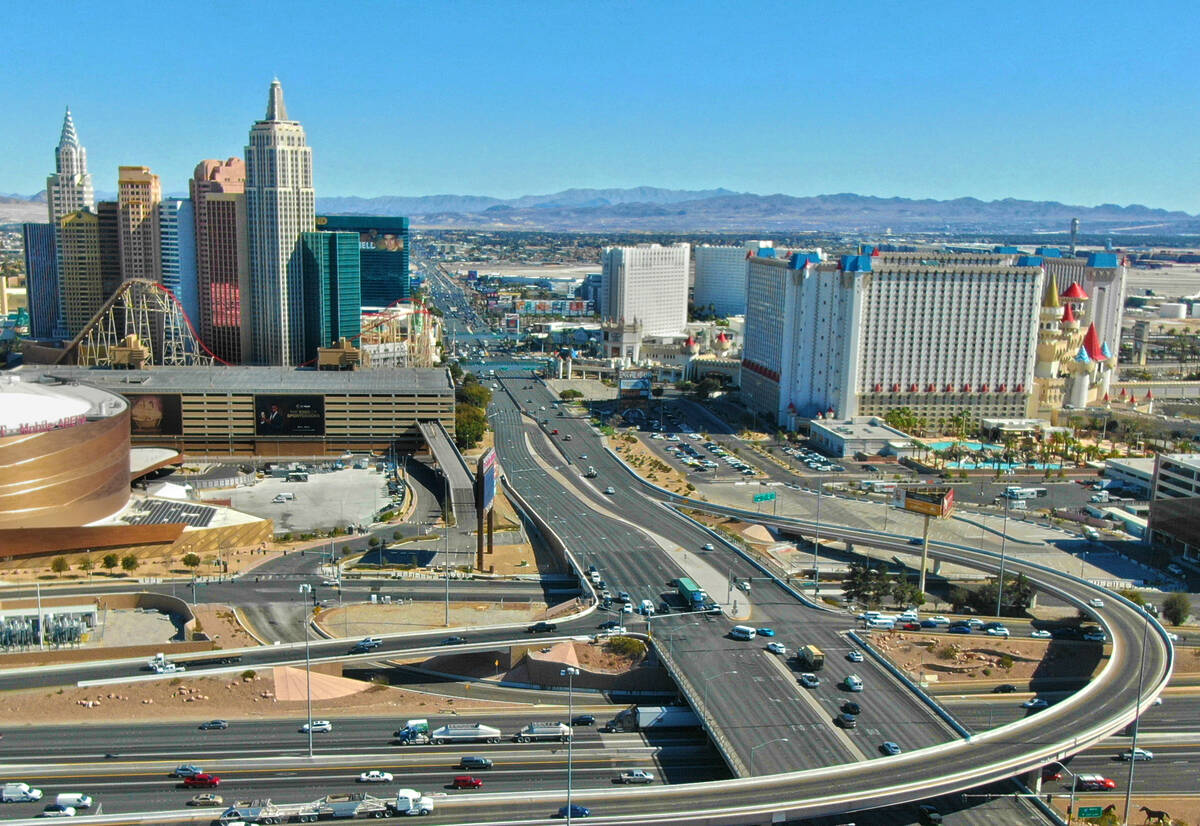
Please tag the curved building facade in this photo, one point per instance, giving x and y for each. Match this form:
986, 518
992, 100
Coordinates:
64, 454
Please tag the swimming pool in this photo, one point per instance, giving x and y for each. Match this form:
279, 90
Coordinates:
1002, 466
946, 445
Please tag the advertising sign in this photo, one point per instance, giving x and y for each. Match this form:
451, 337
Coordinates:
485, 480
634, 384
155, 414
929, 500
512, 322
289, 415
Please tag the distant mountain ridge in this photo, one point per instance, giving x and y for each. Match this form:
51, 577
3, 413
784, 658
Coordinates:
654, 209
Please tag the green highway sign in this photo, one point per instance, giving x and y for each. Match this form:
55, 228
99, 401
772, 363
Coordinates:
763, 497
1090, 811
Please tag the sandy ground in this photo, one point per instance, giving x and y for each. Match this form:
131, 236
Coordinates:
362, 619
203, 698
1182, 810
650, 467
150, 564
221, 626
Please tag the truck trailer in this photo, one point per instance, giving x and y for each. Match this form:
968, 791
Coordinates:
465, 733
543, 731
649, 717
693, 595
329, 807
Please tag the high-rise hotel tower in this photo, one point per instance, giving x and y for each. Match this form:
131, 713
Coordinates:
68, 190
280, 205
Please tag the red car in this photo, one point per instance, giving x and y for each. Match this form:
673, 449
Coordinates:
911, 626
466, 781
201, 781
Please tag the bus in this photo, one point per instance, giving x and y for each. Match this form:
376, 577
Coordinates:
1014, 492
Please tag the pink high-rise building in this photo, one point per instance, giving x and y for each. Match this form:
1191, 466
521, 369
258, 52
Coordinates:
222, 257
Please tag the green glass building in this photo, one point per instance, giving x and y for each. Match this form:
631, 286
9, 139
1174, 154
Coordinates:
332, 291
383, 248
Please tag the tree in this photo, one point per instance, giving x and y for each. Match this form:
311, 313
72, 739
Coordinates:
191, 561
129, 563
86, 565
473, 393
59, 565
908, 593
470, 423
1133, 595
707, 387
866, 585
456, 372
569, 394
1176, 608
110, 561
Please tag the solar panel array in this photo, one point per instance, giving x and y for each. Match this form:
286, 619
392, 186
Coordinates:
161, 512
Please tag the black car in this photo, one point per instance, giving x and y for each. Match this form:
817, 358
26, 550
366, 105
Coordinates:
851, 707
1004, 688
475, 763
454, 640
583, 720
609, 624
542, 627
214, 724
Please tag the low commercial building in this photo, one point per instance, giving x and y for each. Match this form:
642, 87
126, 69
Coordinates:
866, 435
271, 411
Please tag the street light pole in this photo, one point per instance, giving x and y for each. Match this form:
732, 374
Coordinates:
817, 540
1003, 537
570, 673
1071, 805
305, 590
759, 746
446, 565
1133, 740
707, 680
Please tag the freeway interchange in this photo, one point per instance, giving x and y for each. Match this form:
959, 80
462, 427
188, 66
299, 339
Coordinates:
787, 757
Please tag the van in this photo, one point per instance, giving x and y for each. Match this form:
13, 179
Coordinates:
884, 623
595, 577
19, 793
1017, 505
646, 608
742, 632
75, 800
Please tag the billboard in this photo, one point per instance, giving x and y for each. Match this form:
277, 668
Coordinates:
155, 414
485, 480
634, 384
929, 500
289, 415
512, 322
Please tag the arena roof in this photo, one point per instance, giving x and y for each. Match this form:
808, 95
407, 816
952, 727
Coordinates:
239, 379
26, 403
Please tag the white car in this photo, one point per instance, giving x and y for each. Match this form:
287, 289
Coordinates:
627, 608
1096, 603
810, 680
855, 656
1136, 754
707, 546
1041, 634
317, 725
777, 648
610, 490
375, 776
854, 683
997, 632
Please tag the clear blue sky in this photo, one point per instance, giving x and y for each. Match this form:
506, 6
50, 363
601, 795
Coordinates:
1080, 102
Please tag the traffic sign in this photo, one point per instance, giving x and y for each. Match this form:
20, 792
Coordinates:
1090, 811
764, 497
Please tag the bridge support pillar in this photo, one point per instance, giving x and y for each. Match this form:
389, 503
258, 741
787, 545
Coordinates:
849, 547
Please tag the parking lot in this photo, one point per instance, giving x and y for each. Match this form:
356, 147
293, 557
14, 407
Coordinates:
335, 499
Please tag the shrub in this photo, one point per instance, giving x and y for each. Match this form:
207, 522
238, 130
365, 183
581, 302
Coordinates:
1006, 662
945, 652
248, 674
627, 647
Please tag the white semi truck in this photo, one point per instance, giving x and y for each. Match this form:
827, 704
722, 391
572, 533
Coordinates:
543, 731
159, 664
331, 806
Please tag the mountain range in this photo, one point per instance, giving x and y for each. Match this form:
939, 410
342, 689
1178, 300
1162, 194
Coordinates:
652, 209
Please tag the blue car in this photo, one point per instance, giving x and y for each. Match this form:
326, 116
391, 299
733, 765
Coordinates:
960, 629
928, 623
765, 632
576, 811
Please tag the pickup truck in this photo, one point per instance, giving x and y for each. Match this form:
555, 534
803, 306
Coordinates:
634, 776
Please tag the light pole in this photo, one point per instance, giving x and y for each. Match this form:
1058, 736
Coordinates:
305, 590
446, 565
759, 746
570, 673
1133, 740
1003, 537
817, 540
707, 680
1071, 805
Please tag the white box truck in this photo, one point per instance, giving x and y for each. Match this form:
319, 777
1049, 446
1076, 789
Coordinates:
19, 793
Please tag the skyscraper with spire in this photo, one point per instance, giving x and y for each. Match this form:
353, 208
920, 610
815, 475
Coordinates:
70, 187
68, 190
280, 205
